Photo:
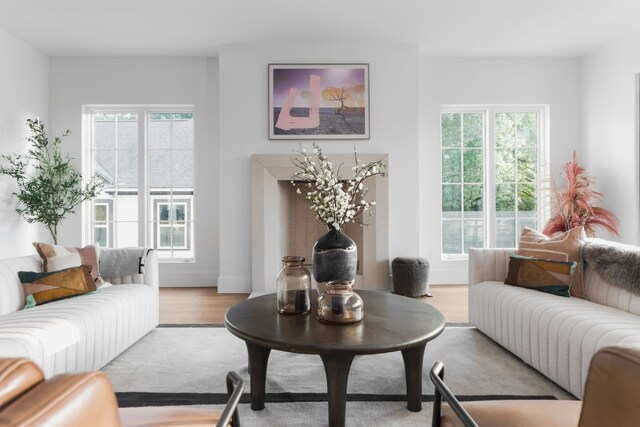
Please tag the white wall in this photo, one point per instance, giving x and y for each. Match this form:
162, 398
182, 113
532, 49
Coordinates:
555, 82
244, 131
609, 129
75, 82
406, 94
24, 94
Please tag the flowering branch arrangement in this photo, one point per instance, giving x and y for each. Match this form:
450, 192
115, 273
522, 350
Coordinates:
335, 200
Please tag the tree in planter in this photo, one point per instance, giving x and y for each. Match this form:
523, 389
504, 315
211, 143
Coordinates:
49, 187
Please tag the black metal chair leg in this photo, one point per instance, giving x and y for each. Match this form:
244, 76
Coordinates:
235, 387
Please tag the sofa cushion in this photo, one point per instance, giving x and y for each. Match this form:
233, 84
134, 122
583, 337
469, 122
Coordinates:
41, 287
56, 258
602, 292
520, 413
557, 336
81, 333
553, 277
562, 247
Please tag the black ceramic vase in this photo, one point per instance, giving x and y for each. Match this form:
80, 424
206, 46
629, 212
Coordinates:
335, 257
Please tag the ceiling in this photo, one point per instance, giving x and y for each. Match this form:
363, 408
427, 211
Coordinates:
199, 27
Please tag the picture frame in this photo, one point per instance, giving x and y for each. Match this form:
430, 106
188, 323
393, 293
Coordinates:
318, 101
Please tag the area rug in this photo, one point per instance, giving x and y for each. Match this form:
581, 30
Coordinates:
187, 366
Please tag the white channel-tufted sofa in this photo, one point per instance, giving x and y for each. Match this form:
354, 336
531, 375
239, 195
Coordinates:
557, 336
82, 333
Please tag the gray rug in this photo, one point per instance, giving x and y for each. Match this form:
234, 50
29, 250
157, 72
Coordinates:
187, 366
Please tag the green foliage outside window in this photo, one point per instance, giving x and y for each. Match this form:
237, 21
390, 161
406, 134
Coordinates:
515, 161
514, 176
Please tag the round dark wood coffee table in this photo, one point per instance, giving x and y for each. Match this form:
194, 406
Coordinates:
390, 323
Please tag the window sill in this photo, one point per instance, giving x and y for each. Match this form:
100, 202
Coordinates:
177, 260
461, 257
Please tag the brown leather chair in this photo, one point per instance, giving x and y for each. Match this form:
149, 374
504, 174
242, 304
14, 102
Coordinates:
611, 398
87, 399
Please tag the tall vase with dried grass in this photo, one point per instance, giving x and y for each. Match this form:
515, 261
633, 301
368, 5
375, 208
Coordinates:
573, 206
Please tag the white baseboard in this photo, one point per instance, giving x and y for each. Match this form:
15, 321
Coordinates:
449, 276
234, 284
184, 279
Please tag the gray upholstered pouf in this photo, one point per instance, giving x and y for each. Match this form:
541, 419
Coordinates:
410, 276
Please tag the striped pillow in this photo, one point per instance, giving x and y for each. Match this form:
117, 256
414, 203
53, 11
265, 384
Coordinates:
55, 258
564, 247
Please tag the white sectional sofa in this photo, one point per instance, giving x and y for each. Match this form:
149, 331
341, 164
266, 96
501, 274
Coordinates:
80, 333
557, 336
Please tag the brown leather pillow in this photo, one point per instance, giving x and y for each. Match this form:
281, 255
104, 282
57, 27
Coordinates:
553, 277
40, 288
565, 247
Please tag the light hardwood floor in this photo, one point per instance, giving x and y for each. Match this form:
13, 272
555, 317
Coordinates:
207, 306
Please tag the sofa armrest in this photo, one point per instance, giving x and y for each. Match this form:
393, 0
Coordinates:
68, 400
488, 264
129, 265
151, 268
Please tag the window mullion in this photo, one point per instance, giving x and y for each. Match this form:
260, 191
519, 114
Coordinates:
171, 205
143, 189
462, 187
116, 188
89, 166
490, 180
543, 173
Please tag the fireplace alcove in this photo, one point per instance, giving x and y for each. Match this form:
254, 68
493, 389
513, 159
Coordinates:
282, 223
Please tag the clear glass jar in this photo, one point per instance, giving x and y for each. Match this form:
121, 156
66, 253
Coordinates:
294, 285
339, 304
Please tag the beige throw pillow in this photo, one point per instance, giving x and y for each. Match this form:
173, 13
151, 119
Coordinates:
562, 247
55, 258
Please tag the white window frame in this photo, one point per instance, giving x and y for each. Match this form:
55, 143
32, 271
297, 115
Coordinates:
107, 222
171, 224
489, 183
145, 238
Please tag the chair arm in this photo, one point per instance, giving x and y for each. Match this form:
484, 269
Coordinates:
442, 392
612, 388
17, 376
235, 387
488, 264
68, 400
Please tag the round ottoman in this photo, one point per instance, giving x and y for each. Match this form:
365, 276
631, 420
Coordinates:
410, 276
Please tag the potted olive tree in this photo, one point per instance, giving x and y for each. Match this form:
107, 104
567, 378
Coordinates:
49, 187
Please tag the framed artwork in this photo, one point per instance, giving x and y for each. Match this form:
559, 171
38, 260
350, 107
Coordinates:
318, 101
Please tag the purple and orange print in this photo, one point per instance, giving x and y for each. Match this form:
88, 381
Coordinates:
322, 102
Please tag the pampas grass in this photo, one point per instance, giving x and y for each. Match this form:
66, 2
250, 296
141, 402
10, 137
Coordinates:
574, 206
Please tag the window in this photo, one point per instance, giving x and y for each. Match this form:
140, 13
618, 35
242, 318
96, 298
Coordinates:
171, 230
493, 163
101, 224
144, 157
